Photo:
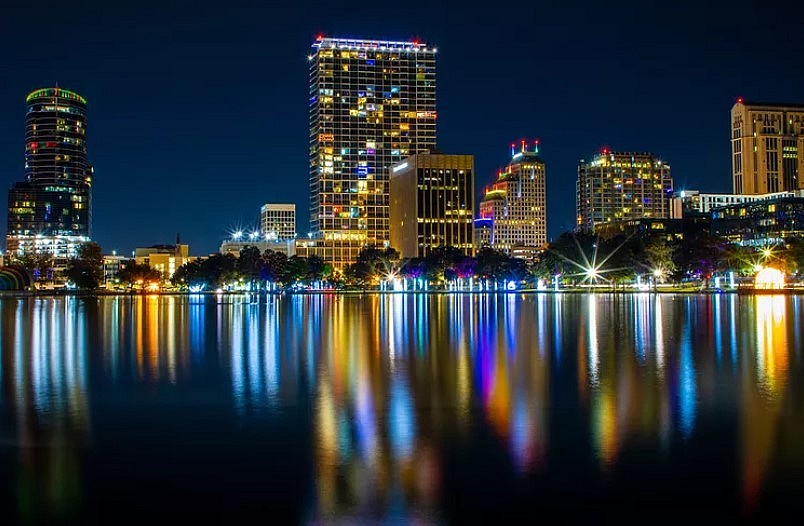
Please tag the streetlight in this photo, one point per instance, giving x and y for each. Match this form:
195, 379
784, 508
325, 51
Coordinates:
253, 235
237, 235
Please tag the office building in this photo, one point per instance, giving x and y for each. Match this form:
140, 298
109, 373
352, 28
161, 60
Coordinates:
760, 223
278, 221
164, 258
432, 204
514, 207
767, 143
621, 186
372, 104
50, 212
695, 202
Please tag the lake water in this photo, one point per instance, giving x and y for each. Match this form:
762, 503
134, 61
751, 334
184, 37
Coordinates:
442, 409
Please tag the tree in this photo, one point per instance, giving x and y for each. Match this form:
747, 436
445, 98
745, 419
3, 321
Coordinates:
39, 265
212, 272
298, 269
249, 264
275, 267
372, 263
86, 270
317, 268
131, 273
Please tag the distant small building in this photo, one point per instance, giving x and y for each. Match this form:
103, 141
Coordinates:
163, 258
278, 221
112, 263
230, 246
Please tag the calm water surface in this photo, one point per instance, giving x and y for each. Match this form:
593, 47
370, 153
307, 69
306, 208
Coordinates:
401, 408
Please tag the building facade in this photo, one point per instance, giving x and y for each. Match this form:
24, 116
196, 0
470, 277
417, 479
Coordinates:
621, 186
514, 207
693, 201
233, 247
767, 147
163, 258
760, 223
278, 221
372, 104
50, 212
432, 204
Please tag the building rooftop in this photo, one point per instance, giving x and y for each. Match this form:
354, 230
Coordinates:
358, 43
55, 92
799, 106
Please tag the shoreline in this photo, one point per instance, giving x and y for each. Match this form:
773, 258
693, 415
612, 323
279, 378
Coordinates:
687, 291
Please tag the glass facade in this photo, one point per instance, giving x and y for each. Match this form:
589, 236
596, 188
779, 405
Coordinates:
51, 210
278, 221
621, 186
372, 104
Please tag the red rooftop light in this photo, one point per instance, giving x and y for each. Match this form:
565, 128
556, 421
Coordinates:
739, 100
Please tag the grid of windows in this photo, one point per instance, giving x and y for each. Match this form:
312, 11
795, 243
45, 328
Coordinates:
765, 144
372, 104
432, 204
278, 221
621, 186
54, 201
515, 206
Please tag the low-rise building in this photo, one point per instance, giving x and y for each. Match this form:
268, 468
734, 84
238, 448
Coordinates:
760, 223
163, 258
230, 246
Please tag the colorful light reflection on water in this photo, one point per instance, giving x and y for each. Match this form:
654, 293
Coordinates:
393, 408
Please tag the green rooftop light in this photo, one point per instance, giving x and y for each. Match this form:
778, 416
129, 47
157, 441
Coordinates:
55, 92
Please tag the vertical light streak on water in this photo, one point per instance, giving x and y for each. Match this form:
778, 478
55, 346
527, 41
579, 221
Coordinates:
37, 351
272, 356
717, 319
139, 317
112, 340
55, 354
541, 322
797, 325
252, 328
592, 344
196, 307
733, 330
401, 419
391, 329
314, 336
659, 322
639, 302
82, 356
19, 345
154, 354
510, 322
687, 389
558, 300
236, 354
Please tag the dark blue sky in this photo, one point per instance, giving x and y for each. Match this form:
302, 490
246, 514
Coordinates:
198, 116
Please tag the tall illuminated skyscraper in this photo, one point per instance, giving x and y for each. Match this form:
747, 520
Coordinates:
513, 211
767, 147
49, 213
621, 186
372, 104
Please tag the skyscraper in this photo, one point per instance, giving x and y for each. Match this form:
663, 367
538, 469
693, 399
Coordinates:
767, 147
620, 186
372, 104
278, 221
432, 204
513, 211
50, 212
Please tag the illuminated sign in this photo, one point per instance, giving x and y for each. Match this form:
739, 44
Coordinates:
399, 167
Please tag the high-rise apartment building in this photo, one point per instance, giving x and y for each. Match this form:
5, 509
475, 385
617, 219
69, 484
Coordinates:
49, 213
514, 209
372, 104
278, 221
621, 186
767, 147
432, 200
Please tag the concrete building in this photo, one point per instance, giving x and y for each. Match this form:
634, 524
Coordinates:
112, 263
432, 204
767, 147
621, 186
163, 258
514, 208
278, 221
372, 104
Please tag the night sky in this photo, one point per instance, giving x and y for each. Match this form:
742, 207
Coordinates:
199, 116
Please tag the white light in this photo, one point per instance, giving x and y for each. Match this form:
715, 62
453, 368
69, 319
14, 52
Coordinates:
399, 167
237, 235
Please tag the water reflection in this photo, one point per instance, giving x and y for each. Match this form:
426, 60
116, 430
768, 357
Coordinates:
389, 389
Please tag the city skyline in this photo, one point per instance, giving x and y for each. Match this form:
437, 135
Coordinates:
144, 92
